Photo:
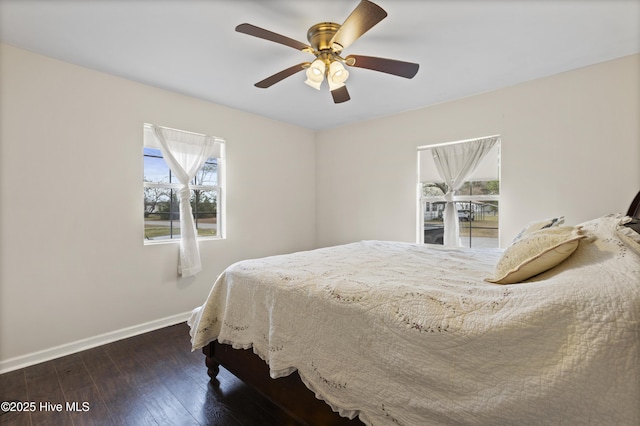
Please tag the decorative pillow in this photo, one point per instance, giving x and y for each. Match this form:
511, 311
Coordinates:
535, 253
538, 225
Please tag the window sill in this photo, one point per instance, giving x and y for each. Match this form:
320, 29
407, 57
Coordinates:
175, 241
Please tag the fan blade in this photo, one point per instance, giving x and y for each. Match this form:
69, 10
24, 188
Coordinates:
270, 81
252, 30
390, 66
361, 20
340, 95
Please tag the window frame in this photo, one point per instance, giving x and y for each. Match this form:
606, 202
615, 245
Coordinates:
172, 187
462, 198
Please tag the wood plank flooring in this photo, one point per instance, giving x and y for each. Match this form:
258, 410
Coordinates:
151, 379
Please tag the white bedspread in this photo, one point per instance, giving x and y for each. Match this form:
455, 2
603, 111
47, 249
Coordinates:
406, 334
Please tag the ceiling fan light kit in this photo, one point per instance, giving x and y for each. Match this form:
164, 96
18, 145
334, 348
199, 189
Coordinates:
326, 42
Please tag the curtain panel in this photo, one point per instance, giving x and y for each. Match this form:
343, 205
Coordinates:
185, 153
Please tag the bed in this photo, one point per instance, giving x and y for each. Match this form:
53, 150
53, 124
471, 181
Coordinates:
390, 333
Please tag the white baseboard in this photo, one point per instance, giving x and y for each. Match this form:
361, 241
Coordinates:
88, 343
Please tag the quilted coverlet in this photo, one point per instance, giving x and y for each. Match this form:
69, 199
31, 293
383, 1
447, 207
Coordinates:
407, 334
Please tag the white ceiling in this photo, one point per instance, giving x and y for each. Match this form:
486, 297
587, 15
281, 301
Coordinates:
190, 47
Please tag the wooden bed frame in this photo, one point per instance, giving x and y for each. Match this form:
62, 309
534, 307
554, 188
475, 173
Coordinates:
289, 393
634, 212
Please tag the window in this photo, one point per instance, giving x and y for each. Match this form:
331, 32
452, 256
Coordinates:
476, 199
161, 199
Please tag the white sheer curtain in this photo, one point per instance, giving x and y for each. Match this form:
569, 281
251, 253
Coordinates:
455, 163
185, 153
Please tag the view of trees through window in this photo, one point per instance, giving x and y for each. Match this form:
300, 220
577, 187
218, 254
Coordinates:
161, 203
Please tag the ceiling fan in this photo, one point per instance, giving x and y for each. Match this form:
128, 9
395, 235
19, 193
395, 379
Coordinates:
326, 42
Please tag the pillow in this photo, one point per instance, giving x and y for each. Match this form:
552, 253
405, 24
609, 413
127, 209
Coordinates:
538, 225
535, 253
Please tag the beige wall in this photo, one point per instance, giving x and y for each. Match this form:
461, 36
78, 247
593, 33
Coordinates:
570, 145
72, 260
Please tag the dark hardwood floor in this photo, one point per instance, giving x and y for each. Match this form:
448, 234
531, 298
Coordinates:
151, 379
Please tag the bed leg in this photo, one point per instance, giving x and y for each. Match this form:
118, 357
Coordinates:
212, 365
